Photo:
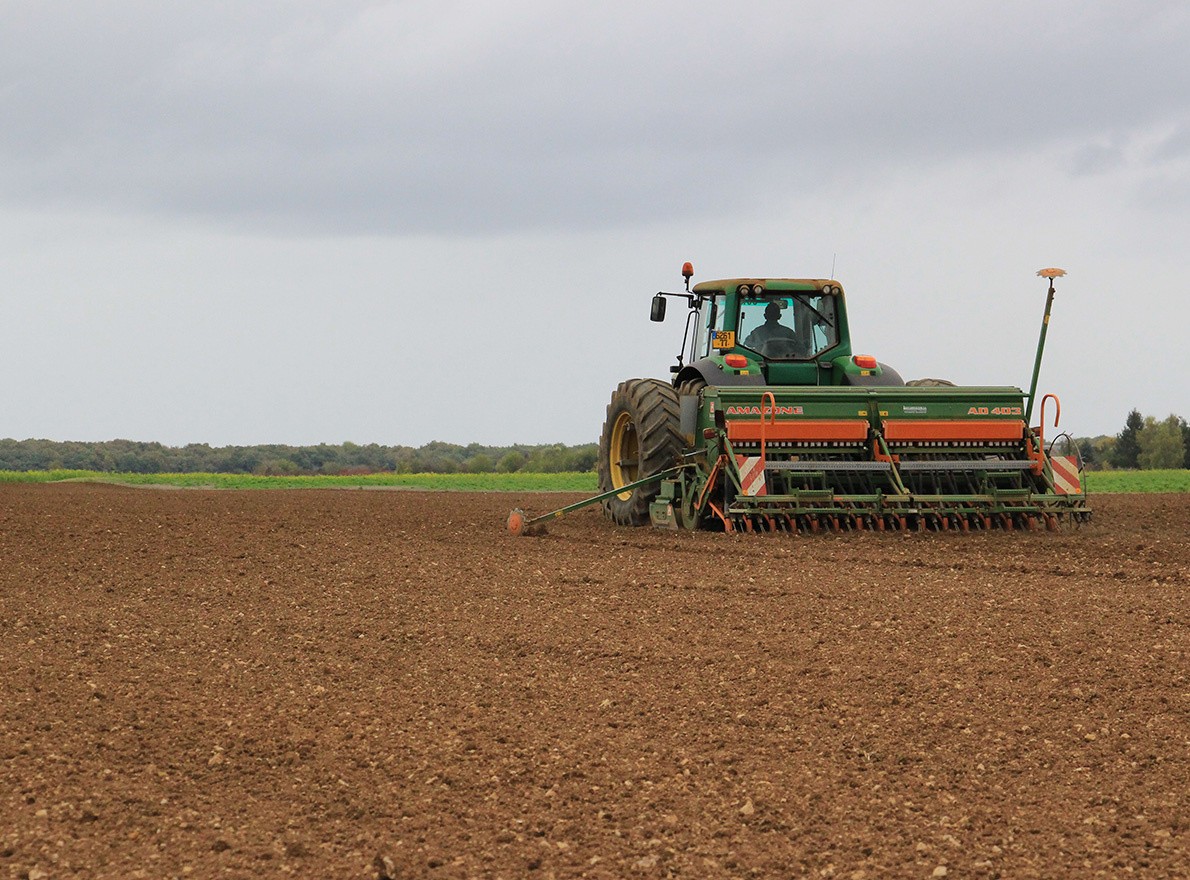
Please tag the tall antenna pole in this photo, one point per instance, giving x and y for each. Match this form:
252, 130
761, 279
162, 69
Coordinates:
1051, 274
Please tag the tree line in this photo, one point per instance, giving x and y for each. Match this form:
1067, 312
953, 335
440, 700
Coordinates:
1146, 443
130, 456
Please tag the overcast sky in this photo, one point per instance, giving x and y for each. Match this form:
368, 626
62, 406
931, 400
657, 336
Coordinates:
303, 222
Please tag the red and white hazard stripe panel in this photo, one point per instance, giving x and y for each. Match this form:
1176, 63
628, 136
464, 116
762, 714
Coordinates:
752, 474
1066, 481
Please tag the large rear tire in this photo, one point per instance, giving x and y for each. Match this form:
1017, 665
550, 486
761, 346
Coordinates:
641, 437
929, 383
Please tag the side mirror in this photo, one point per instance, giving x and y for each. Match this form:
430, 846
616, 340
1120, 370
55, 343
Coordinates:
657, 312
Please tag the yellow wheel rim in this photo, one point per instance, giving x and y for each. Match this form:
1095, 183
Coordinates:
623, 454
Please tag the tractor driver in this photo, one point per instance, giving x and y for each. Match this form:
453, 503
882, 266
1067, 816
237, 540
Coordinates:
772, 334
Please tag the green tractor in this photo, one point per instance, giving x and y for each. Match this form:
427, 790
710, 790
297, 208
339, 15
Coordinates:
771, 422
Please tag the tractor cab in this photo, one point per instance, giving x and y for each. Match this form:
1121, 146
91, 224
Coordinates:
769, 331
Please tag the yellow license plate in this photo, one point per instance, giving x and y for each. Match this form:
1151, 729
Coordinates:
723, 339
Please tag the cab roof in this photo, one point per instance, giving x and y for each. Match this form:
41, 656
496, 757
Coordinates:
800, 284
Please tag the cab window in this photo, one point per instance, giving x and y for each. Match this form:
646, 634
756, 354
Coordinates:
711, 319
788, 326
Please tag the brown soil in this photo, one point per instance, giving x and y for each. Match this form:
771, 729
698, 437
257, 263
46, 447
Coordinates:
366, 684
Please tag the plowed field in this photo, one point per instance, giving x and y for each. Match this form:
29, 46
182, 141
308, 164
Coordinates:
386, 685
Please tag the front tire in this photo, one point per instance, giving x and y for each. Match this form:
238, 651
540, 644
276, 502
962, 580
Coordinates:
641, 437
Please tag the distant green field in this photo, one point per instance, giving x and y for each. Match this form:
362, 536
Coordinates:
1097, 481
1138, 481
516, 482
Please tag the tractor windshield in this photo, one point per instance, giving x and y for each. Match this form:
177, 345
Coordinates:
788, 326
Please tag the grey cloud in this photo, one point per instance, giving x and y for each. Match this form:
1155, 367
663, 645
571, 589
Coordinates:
1093, 159
1175, 146
467, 117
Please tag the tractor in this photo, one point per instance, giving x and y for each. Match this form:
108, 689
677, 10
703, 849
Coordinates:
771, 422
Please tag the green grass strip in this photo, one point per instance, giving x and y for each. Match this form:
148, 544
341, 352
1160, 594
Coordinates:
1119, 482
47, 476
1105, 482
515, 482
